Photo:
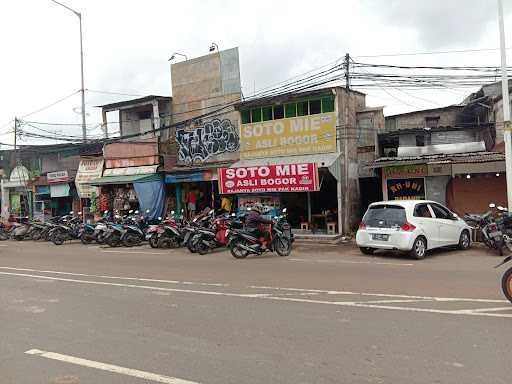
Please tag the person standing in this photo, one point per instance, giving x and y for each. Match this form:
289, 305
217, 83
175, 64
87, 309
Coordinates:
192, 203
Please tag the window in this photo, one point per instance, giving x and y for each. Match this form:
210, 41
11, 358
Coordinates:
302, 108
441, 212
421, 210
145, 115
385, 216
290, 110
432, 122
278, 112
267, 113
246, 116
315, 106
420, 140
327, 104
256, 115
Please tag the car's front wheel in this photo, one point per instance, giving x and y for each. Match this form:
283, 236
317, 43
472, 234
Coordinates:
464, 240
419, 248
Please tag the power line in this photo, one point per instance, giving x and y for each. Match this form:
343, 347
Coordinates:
50, 105
429, 53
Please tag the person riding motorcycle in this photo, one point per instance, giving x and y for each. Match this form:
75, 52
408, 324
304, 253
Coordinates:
254, 219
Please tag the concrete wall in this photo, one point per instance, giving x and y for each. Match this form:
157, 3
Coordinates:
446, 137
435, 188
447, 117
347, 104
201, 86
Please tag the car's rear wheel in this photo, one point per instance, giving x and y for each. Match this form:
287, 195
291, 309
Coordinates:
464, 240
419, 248
367, 250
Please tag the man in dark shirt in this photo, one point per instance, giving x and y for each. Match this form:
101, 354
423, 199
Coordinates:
254, 218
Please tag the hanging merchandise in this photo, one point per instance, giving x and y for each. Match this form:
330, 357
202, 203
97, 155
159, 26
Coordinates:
104, 201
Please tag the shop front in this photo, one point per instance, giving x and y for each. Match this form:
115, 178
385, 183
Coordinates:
463, 182
305, 185
131, 188
16, 193
193, 192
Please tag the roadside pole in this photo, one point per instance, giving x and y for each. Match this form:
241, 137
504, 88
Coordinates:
506, 106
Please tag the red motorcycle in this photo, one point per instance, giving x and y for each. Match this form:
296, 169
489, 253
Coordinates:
206, 239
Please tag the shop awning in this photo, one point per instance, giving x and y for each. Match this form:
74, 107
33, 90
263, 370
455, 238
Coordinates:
190, 177
322, 160
112, 180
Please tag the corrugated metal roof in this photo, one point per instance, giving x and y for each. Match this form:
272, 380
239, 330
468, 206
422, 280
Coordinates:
455, 158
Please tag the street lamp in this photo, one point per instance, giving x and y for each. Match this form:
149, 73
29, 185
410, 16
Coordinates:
173, 56
214, 47
82, 89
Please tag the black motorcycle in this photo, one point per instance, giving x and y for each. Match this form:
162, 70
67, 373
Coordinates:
491, 230
243, 243
68, 230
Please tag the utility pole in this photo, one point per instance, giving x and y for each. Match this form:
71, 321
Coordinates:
346, 196
506, 106
82, 89
15, 137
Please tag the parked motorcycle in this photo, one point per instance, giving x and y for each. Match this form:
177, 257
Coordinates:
67, 229
492, 235
278, 238
207, 239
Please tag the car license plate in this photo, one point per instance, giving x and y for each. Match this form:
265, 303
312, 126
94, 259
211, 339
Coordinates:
380, 237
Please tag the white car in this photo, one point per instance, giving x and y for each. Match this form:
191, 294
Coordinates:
413, 226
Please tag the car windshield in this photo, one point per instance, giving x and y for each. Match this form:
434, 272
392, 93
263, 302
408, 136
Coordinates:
385, 216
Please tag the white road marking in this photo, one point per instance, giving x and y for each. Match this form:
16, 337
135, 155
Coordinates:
116, 277
3, 245
380, 294
496, 309
393, 301
135, 252
352, 262
269, 296
109, 367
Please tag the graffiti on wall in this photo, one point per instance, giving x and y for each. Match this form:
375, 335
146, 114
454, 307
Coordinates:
213, 138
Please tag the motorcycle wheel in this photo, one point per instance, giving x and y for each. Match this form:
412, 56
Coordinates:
153, 241
4, 236
19, 237
202, 248
100, 238
114, 240
85, 238
36, 235
506, 284
236, 251
191, 244
131, 240
58, 238
283, 246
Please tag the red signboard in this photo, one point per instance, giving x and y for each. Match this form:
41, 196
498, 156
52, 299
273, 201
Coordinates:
269, 178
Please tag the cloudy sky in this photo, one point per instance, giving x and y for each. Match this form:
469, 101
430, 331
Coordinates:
127, 44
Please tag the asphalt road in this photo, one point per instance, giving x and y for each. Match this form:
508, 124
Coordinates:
325, 314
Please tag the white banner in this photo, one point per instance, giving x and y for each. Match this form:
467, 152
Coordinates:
88, 170
57, 177
130, 171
